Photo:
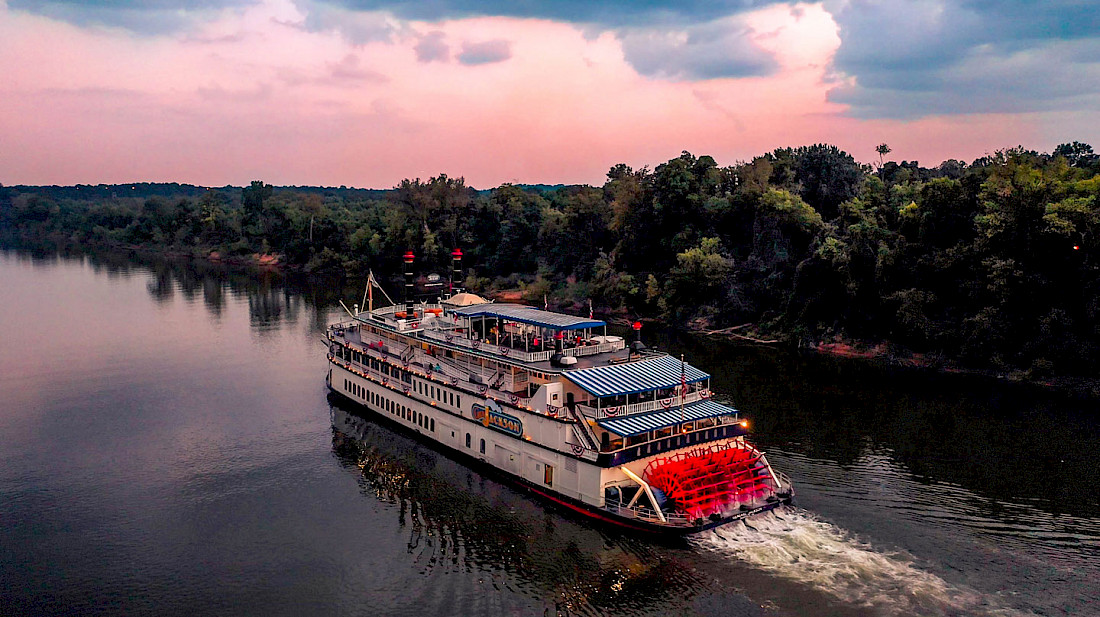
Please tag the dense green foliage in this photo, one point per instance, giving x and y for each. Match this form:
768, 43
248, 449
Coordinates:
991, 263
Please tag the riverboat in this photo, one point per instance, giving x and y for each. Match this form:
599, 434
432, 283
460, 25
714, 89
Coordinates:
626, 434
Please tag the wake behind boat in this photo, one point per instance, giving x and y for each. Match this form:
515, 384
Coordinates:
619, 432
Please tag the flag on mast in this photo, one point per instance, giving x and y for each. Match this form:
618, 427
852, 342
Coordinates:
590, 308
545, 303
683, 388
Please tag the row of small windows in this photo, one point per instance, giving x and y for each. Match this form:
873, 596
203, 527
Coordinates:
355, 389
405, 413
421, 387
424, 421
352, 355
679, 441
438, 394
394, 408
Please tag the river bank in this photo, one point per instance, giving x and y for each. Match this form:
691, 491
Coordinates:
339, 285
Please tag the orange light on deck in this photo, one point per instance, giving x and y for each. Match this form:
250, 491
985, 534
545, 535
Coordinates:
744, 424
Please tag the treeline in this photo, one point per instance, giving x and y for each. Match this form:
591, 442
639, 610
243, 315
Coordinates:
992, 263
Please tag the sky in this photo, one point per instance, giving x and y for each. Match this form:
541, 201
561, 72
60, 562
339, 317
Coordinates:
365, 93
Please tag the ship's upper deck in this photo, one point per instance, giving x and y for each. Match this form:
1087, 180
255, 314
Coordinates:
516, 334
606, 375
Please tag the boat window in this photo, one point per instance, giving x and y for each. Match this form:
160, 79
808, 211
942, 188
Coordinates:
467, 440
548, 475
483, 446
432, 425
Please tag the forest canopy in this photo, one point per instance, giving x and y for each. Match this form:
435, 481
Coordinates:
991, 263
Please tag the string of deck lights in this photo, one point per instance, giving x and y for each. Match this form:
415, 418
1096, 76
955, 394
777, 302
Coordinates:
420, 374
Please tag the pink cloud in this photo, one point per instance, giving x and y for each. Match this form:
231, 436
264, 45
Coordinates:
258, 95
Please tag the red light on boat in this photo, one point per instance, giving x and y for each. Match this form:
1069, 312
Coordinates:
637, 325
1076, 247
744, 424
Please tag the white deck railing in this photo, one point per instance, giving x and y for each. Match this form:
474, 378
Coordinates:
453, 373
519, 354
626, 410
647, 514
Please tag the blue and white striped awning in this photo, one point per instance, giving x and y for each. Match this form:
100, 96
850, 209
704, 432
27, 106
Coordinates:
529, 315
632, 377
651, 421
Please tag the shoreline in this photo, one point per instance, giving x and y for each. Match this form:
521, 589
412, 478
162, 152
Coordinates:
880, 353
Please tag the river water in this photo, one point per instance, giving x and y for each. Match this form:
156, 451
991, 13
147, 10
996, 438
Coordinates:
167, 447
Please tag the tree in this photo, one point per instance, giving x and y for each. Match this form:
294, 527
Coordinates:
699, 282
253, 198
828, 177
1075, 153
882, 150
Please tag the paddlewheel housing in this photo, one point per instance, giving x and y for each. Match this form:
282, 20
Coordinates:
710, 479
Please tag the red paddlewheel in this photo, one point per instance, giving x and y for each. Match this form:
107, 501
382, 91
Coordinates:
705, 480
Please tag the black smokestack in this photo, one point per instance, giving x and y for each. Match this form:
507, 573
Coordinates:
410, 307
456, 271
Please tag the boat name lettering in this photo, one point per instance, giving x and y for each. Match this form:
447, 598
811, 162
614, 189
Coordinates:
490, 414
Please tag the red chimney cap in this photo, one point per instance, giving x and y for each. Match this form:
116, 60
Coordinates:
457, 253
637, 325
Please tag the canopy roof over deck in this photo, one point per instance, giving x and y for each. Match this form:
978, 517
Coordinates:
636, 424
464, 299
529, 315
633, 377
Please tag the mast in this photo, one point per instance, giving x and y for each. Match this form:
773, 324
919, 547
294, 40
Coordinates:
683, 389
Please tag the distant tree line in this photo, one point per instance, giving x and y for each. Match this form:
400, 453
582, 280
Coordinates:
992, 263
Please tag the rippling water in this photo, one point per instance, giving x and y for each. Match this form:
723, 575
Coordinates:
167, 446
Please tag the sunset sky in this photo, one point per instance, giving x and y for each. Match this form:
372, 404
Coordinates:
367, 92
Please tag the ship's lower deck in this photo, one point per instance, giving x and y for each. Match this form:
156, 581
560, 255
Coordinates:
567, 480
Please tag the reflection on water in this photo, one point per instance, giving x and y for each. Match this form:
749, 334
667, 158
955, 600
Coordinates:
457, 520
168, 448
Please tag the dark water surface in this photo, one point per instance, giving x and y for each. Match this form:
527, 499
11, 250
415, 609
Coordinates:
167, 447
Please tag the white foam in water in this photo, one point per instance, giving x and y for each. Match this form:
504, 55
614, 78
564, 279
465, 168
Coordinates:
797, 546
